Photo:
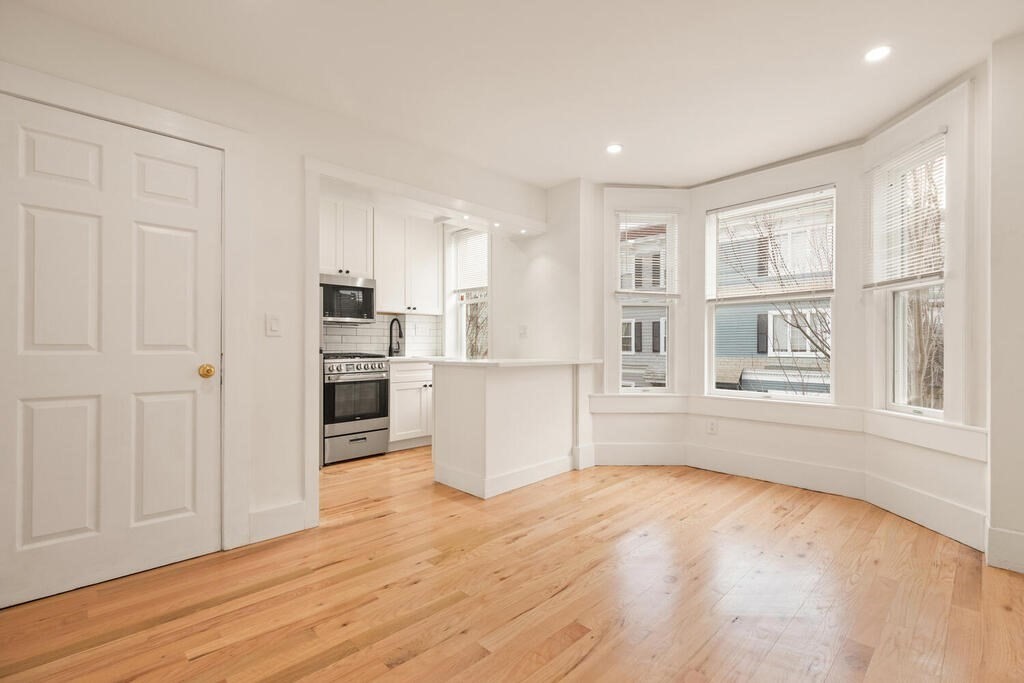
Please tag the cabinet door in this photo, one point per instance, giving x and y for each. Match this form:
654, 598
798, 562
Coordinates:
329, 236
356, 237
408, 410
389, 260
423, 240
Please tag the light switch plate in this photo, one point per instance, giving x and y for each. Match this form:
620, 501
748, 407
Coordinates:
273, 324
523, 331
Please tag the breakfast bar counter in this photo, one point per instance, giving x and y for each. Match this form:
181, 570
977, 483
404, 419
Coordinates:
500, 424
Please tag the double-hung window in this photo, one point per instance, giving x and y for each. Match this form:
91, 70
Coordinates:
769, 295
906, 260
469, 249
646, 243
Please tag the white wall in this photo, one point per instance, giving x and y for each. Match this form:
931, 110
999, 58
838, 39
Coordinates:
1006, 539
270, 176
545, 284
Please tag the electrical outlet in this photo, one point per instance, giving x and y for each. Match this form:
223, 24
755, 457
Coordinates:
523, 332
711, 426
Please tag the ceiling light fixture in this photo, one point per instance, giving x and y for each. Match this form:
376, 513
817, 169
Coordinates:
465, 218
497, 225
877, 54
613, 148
522, 232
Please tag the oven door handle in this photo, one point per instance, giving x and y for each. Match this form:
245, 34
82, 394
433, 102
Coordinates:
365, 377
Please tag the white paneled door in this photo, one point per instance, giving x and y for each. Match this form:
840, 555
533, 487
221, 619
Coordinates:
110, 269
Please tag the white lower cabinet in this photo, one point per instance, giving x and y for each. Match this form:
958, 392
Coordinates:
412, 408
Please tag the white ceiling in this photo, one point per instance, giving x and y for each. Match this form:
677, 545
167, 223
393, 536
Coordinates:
535, 89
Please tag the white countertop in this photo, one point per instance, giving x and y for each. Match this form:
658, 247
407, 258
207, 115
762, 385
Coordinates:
514, 362
417, 359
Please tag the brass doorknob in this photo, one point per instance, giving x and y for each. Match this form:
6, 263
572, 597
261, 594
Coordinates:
206, 371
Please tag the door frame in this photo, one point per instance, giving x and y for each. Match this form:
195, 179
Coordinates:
28, 84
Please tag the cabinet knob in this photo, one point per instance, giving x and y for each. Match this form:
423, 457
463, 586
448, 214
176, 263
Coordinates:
424, 386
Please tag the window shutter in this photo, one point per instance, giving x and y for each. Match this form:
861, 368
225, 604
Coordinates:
907, 206
656, 336
638, 336
762, 333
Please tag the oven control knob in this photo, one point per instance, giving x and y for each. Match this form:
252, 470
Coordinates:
361, 366
380, 366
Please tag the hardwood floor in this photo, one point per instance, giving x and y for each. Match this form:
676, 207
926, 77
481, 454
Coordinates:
613, 573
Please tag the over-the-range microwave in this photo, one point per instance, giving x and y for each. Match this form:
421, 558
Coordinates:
346, 299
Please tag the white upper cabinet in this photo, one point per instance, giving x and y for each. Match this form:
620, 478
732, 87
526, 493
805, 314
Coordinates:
407, 264
389, 260
346, 238
423, 249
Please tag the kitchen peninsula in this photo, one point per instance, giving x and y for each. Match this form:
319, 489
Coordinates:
500, 424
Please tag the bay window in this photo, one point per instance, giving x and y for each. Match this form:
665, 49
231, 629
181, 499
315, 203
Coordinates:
769, 294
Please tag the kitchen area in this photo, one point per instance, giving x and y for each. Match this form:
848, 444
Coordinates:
405, 306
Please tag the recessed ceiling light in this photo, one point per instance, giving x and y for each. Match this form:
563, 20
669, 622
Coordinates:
497, 225
522, 232
465, 218
613, 148
877, 54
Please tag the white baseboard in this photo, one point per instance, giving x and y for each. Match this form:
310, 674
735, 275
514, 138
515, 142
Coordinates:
813, 476
938, 514
462, 480
583, 456
639, 454
277, 520
527, 475
408, 443
1005, 549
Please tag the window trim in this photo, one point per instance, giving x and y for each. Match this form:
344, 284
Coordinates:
712, 300
632, 335
663, 333
771, 328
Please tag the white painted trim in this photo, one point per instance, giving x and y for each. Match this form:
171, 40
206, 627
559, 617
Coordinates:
275, 521
25, 83
805, 414
404, 444
583, 457
963, 440
671, 453
459, 479
957, 521
508, 481
311, 363
638, 403
815, 476
1005, 549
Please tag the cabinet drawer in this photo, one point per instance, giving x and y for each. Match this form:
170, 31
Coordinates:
412, 372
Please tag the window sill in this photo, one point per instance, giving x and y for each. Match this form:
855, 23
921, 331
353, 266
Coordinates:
965, 441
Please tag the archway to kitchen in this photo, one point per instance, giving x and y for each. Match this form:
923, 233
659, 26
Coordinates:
396, 275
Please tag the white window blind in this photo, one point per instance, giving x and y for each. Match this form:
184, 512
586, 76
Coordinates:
907, 206
777, 246
470, 259
647, 251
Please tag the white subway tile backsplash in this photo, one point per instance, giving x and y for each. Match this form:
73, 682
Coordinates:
422, 336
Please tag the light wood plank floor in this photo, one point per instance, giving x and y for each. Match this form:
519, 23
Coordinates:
614, 573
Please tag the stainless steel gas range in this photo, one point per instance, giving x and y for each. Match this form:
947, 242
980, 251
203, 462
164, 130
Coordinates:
355, 406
